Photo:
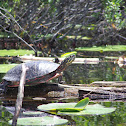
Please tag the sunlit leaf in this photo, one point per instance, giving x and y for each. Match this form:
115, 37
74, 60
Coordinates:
111, 57
14, 52
45, 120
103, 48
32, 113
68, 54
68, 109
82, 103
78, 107
54, 106
5, 67
95, 109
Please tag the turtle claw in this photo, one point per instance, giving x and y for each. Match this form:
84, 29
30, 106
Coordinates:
60, 81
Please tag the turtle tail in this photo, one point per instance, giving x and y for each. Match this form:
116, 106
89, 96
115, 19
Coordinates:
65, 63
3, 87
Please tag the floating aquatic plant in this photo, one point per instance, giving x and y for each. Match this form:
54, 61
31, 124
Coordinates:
80, 108
5, 67
14, 52
103, 48
40, 121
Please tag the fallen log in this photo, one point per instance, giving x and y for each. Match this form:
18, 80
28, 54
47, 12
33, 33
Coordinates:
51, 59
76, 61
94, 92
109, 83
68, 91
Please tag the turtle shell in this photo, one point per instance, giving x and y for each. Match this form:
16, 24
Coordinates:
35, 69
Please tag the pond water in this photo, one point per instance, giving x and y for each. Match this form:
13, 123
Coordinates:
117, 118
104, 70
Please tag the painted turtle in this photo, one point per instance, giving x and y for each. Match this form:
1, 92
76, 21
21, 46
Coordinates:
38, 72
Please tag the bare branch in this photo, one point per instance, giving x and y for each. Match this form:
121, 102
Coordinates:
24, 42
121, 36
20, 95
13, 19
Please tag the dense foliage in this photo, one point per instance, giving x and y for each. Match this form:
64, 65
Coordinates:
55, 26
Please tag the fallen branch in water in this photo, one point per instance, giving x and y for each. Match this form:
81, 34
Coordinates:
20, 95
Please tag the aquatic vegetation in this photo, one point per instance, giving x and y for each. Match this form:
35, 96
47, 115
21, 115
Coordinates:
13, 52
68, 54
103, 48
5, 67
80, 108
45, 120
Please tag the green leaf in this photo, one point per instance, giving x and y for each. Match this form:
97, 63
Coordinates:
68, 54
82, 103
14, 52
55, 106
5, 67
32, 113
69, 109
95, 109
45, 120
77, 108
103, 48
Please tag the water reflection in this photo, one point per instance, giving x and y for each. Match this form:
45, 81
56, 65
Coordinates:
113, 119
5, 116
88, 73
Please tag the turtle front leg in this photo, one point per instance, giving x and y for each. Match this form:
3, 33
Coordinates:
60, 80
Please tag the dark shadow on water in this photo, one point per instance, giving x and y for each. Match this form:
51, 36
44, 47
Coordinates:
33, 95
37, 90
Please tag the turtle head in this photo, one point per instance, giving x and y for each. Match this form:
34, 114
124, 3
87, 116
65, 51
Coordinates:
65, 63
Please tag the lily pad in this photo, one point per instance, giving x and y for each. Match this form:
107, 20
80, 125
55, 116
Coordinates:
13, 52
32, 113
54, 106
95, 109
5, 67
111, 57
82, 103
78, 107
40, 121
103, 48
68, 54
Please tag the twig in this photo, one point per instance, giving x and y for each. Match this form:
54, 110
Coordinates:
20, 95
13, 19
25, 43
121, 36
